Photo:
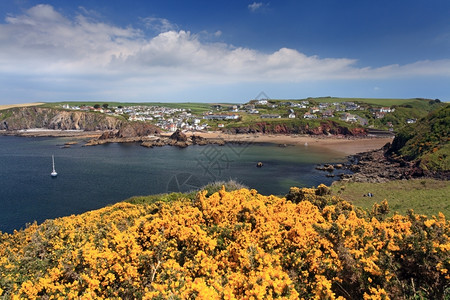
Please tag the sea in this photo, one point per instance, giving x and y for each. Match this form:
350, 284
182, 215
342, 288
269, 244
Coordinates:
93, 177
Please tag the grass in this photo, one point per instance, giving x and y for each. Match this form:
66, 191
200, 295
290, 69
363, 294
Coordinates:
195, 107
424, 196
373, 101
213, 187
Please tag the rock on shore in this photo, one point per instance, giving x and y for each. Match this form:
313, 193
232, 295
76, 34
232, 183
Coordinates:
150, 136
376, 166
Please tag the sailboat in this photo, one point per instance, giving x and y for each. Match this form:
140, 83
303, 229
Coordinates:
53, 173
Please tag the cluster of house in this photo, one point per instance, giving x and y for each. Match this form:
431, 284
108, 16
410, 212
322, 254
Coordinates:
172, 119
165, 117
379, 113
328, 110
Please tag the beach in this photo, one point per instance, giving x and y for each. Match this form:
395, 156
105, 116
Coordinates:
346, 145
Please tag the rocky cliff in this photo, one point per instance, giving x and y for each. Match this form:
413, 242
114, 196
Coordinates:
325, 128
131, 130
49, 118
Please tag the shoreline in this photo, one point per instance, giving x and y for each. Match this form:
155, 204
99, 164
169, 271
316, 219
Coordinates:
347, 145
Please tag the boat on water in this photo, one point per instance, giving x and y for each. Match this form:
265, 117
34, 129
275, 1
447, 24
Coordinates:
53, 173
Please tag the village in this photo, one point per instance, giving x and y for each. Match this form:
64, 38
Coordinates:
219, 115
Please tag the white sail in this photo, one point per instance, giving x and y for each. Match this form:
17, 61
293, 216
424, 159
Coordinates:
53, 173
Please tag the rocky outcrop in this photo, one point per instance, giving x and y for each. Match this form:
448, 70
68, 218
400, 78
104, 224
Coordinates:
178, 136
177, 139
48, 118
198, 140
376, 166
110, 134
137, 129
325, 128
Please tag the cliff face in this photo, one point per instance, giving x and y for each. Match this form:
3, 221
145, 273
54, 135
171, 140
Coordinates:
325, 128
48, 118
131, 130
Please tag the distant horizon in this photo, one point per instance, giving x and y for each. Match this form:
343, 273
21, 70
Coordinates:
211, 102
202, 51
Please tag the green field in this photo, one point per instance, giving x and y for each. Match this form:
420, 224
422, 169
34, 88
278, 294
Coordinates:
195, 107
424, 196
415, 102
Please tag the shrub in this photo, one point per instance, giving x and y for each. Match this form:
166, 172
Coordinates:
231, 244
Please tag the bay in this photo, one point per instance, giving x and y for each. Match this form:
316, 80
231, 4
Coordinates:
93, 177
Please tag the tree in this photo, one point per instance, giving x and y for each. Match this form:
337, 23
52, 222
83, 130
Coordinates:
105, 105
96, 106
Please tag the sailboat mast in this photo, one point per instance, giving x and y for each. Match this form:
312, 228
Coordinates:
54, 174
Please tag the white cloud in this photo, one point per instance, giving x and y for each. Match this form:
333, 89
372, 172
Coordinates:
159, 24
44, 44
255, 6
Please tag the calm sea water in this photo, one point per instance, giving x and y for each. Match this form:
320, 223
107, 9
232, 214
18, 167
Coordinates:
93, 177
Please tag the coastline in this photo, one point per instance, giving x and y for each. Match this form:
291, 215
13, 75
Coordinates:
347, 145
39, 132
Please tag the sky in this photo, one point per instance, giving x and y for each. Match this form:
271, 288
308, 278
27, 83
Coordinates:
222, 51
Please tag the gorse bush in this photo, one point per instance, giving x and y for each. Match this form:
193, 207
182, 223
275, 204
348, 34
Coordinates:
230, 245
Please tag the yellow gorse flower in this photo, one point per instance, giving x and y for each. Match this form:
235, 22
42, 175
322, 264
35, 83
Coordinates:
230, 245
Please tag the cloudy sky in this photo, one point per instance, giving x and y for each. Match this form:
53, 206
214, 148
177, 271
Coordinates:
230, 51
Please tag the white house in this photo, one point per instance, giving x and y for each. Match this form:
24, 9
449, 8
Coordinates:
262, 102
348, 117
309, 116
270, 116
314, 110
291, 116
386, 109
172, 127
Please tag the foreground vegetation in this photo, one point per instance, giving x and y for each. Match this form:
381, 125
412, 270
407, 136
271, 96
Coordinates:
425, 196
237, 244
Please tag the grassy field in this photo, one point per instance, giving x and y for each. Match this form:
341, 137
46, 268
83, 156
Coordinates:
195, 107
374, 101
3, 107
424, 196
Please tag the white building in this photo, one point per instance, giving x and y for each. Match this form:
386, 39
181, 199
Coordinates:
262, 102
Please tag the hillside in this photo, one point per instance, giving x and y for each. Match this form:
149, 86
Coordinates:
426, 143
233, 245
49, 118
314, 116
297, 126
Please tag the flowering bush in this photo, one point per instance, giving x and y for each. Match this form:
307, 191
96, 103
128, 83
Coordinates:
232, 245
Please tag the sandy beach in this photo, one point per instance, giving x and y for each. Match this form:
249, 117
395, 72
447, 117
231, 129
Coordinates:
2, 107
343, 144
346, 145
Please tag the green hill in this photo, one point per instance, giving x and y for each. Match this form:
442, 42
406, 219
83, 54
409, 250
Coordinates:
426, 142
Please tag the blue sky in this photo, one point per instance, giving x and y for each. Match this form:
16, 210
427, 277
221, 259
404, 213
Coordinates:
226, 51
